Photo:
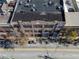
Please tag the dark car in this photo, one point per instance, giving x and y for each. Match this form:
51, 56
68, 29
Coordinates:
5, 43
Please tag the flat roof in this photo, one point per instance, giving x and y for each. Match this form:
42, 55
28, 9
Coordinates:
74, 4
72, 19
77, 3
43, 10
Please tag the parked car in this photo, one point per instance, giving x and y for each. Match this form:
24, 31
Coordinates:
5, 43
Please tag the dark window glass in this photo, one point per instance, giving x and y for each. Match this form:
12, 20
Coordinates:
27, 26
38, 26
48, 26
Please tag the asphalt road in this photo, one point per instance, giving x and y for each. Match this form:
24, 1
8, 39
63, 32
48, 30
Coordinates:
33, 54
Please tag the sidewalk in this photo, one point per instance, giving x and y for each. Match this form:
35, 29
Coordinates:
41, 49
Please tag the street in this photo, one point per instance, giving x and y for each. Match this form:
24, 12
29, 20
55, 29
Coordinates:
32, 54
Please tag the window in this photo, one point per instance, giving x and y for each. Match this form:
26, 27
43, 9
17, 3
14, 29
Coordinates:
38, 26
48, 26
27, 26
